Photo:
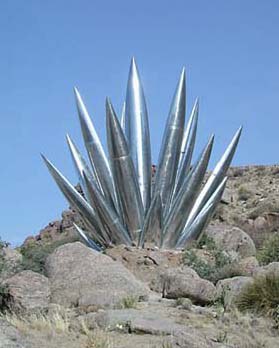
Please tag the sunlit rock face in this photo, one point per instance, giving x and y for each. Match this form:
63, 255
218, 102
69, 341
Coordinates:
126, 200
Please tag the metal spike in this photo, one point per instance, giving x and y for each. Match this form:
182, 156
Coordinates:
137, 133
76, 201
196, 229
171, 145
108, 215
89, 242
215, 178
96, 152
124, 175
187, 147
81, 165
152, 227
122, 120
185, 198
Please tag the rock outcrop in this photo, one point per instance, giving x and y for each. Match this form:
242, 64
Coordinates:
231, 239
184, 282
80, 276
27, 291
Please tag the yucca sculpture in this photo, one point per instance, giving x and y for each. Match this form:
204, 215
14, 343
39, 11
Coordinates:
120, 205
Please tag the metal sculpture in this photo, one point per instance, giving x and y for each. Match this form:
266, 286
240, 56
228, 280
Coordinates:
119, 205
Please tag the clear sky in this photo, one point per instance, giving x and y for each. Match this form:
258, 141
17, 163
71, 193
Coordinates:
229, 48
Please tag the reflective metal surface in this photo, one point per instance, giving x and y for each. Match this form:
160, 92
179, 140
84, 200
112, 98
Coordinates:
137, 133
124, 175
171, 145
116, 205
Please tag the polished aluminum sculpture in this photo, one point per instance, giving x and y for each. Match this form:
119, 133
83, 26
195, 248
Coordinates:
119, 204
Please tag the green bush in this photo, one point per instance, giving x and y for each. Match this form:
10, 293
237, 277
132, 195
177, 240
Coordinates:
35, 255
222, 267
203, 269
2, 260
270, 250
261, 297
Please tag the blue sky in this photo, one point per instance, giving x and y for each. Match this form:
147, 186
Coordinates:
229, 48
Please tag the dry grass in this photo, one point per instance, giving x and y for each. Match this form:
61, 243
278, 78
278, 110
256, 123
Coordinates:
129, 302
58, 322
262, 296
96, 338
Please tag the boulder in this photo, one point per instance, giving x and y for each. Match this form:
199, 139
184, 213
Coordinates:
80, 276
184, 282
272, 268
11, 262
230, 239
27, 291
229, 289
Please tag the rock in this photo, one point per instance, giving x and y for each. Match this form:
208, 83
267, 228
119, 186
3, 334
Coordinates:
10, 336
11, 262
229, 289
145, 263
272, 268
80, 276
155, 326
148, 323
27, 291
248, 266
185, 282
230, 238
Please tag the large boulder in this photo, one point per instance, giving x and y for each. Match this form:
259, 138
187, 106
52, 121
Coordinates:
184, 282
230, 239
26, 291
82, 277
229, 289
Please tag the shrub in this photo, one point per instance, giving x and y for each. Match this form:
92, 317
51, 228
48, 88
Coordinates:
244, 193
261, 297
3, 297
222, 267
203, 269
35, 255
270, 250
2, 260
129, 302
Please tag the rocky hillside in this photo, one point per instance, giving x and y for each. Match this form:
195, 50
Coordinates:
220, 292
251, 202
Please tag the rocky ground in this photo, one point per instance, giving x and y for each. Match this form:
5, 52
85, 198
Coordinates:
55, 292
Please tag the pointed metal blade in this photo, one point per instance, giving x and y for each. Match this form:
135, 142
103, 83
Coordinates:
195, 230
96, 152
76, 200
108, 215
185, 199
187, 147
215, 178
124, 175
171, 145
137, 133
